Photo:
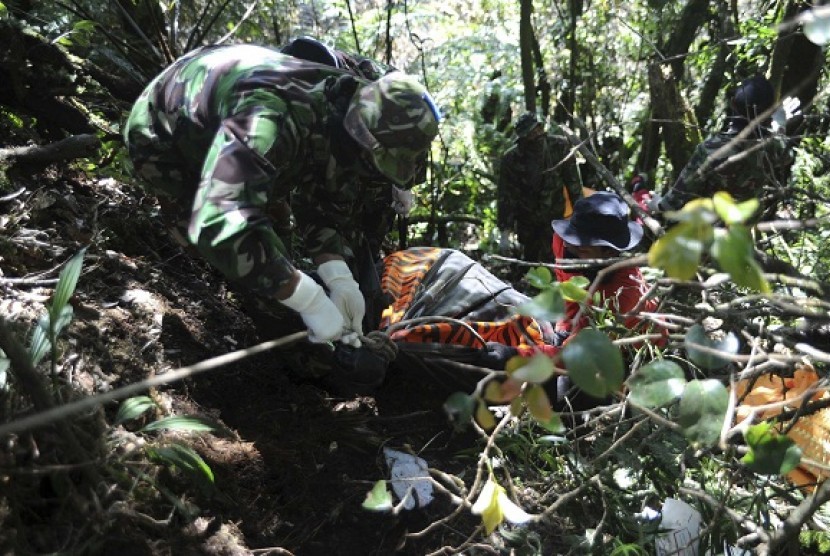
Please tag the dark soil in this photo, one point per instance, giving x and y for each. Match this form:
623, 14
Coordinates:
294, 464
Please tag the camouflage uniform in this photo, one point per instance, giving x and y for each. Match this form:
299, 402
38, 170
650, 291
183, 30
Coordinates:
229, 133
530, 193
747, 168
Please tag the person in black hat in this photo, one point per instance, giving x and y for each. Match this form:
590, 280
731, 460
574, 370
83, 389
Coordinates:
537, 182
754, 165
601, 228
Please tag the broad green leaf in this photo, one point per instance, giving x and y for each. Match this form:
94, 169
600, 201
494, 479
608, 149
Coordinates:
575, 289
770, 453
132, 408
379, 499
656, 384
678, 252
538, 369
185, 458
548, 306
734, 251
64, 318
696, 336
459, 408
189, 423
484, 417
40, 344
702, 411
539, 277
540, 409
67, 281
594, 363
730, 211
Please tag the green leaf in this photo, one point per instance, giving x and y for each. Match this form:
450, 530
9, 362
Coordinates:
730, 211
459, 408
484, 417
185, 458
64, 318
702, 411
379, 499
132, 408
40, 344
696, 336
537, 370
594, 363
656, 384
547, 305
189, 423
575, 289
770, 453
678, 252
734, 251
67, 281
539, 277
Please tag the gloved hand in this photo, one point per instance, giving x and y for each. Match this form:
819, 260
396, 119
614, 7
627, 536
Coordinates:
318, 312
495, 356
347, 297
653, 203
789, 109
504, 242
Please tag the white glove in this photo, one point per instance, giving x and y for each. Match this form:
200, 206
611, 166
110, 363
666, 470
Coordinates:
318, 312
653, 204
504, 242
790, 107
346, 295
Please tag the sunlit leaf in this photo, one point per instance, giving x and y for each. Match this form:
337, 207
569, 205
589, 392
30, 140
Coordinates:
730, 211
770, 453
501, 391
702, 411
185, 458
484, 417
548, 306
538, 369
734, 251
575, 289
594, 363
379, 499
656, 384
678, 252
697, 336
539, 277
494, 507
132, 408
67, 281
540, 409
188, 423
40, 344
63, 319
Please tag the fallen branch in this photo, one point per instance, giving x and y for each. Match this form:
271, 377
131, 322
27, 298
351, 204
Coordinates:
60, 412
77, 146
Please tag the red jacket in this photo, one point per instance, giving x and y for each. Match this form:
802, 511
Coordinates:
625, 288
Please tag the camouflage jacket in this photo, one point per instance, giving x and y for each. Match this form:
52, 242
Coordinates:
753, 167
232, 130
532, 178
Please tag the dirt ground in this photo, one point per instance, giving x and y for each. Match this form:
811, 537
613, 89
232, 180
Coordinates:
295, 463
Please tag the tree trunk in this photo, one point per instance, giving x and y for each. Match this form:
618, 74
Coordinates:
526, 51
676, 119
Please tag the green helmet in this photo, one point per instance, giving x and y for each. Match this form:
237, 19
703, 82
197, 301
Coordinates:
395, 120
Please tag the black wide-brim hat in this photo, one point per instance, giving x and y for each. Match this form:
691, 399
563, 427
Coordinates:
601, 219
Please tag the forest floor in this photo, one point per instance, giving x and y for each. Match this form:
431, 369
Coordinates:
292, 467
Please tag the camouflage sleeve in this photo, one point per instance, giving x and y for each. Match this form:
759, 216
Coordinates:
229, 223
690, 183
506, 194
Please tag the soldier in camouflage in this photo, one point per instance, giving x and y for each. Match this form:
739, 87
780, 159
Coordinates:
745, 159
537, 184
227, 134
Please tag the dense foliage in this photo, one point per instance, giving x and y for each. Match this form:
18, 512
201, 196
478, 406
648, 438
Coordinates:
743, 300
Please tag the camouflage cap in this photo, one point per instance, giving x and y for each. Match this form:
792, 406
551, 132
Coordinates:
395, 120
526, 123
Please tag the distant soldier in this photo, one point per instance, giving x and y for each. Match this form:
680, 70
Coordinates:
753, 166
537, 183
227, 134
